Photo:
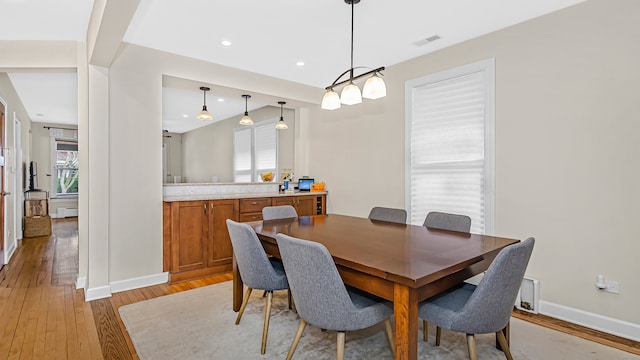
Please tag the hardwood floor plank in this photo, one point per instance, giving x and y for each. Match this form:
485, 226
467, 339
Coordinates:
9, 320
112, 340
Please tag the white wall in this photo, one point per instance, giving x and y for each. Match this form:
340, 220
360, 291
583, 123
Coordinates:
567, 124
13, 107
208, 150
135, 160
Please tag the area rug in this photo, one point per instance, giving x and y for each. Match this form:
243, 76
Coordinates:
199, 324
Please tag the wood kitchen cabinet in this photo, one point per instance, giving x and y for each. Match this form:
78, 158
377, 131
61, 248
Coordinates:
196, 240
305, 205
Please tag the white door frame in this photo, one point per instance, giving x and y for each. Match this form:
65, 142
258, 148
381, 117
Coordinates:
18, 170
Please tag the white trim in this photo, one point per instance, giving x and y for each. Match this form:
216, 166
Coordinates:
81, 282
96, 293
11, 250
606, 324
139, 282
18, 188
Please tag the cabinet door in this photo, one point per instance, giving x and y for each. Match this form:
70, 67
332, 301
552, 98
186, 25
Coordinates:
189, 231
220, 250
285, 200
306, 205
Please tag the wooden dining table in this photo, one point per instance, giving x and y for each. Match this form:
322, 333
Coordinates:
401, 263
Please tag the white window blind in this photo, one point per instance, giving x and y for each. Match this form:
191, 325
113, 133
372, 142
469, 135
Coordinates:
450, 145
243, 155
266, 143
255, 151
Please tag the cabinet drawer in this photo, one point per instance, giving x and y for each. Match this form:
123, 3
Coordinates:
251, 217
253, 205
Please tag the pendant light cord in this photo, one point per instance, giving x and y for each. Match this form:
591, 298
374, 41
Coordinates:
351, 74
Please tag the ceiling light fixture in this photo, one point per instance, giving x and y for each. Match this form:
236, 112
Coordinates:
281, 125
204, 114
374, 88
246, 120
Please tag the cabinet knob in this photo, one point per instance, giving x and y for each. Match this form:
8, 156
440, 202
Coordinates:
254, 203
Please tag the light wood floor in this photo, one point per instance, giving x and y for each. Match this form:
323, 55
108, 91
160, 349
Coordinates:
43, 316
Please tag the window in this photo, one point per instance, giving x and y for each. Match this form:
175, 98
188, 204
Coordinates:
65, 167
255, 150
450, 144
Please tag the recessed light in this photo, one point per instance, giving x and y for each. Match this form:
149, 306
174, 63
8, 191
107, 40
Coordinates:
39, 114
300, 63
225, 42
185, 115
220, 99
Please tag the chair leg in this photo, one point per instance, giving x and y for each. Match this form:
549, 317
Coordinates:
340, 346
425, 330
389, 330
294, 344
244, 305
289, 299
267, 316
471, 345
503, 343
438, 335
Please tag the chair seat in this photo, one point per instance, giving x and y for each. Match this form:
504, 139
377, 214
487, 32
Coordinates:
442, 309
280, 282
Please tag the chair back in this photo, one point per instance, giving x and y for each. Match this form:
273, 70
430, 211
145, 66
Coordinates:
446, 221
388, 214
320, 296
489, 307
255, 268
279, 212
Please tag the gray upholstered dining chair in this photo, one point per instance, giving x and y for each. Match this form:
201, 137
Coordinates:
256, 270
446, 221
485, 308
388, 214
321, 297
279, 212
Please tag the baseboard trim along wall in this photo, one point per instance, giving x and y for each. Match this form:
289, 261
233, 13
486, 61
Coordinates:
96, 293
81, 282
10, 251
139, 282
606, 324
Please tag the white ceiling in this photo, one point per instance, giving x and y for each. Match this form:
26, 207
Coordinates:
268, 37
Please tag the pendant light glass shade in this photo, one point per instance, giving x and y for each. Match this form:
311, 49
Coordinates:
204, 114
331, 100
374, 88
246, 120
351, 95
281, 125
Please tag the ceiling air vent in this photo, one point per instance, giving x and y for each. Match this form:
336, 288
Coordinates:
427, 40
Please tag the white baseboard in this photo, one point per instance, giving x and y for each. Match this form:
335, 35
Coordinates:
140, 282
10, 251
606, 324
81, 282
96, 293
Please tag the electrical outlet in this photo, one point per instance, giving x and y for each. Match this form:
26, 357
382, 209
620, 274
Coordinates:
612, 287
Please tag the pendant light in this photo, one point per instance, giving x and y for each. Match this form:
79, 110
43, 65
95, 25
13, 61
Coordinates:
281, 125
374, 88
246, 120
204, 114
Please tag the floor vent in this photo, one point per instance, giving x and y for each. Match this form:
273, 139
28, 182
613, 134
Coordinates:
529, 296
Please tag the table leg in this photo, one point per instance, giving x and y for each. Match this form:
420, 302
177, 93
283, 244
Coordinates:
405, 311
237, 286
